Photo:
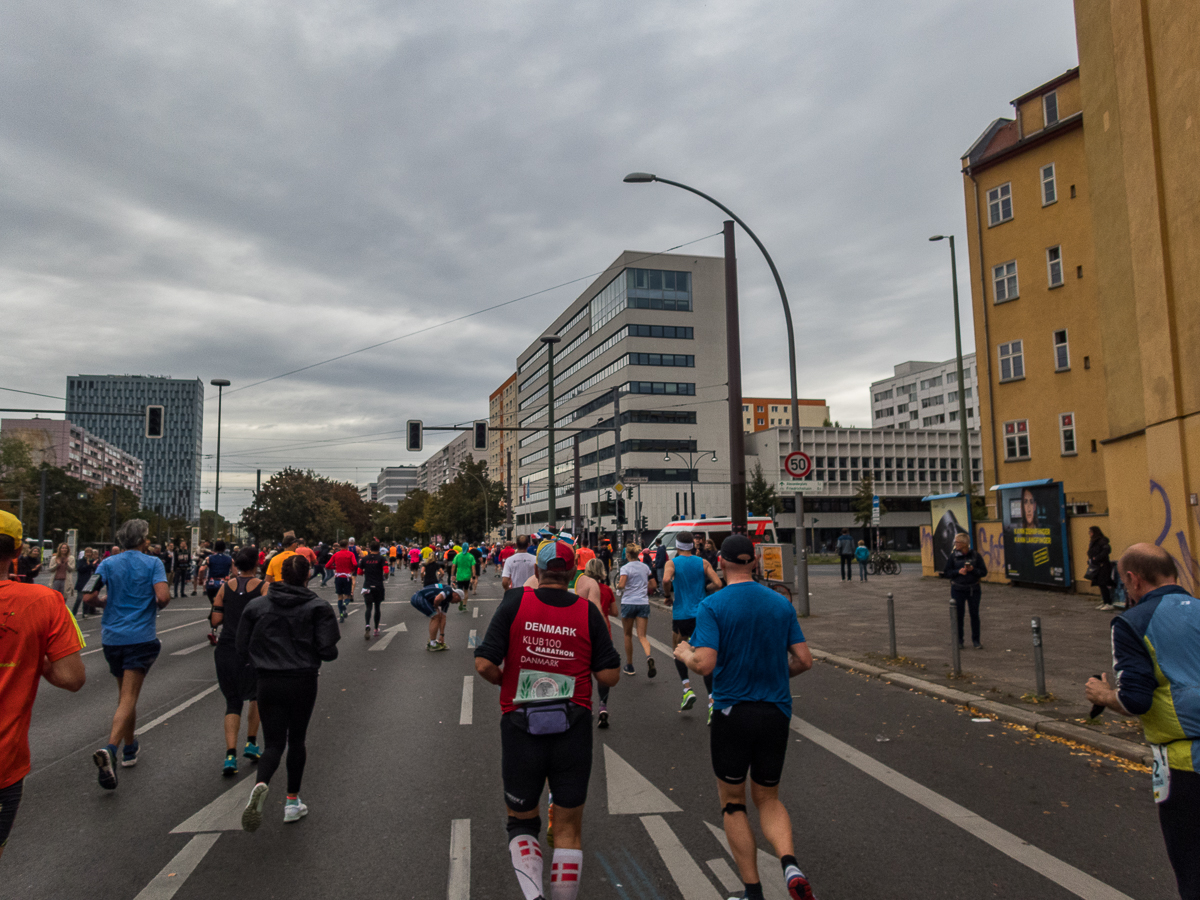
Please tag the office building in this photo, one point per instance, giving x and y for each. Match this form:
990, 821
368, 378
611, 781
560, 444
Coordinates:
369, 492
761, 413
95, 462
442, 466
113, 407
925, 395
394, 484
650, 334
502, 413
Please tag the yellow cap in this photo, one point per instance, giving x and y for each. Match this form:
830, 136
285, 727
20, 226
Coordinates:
11, 525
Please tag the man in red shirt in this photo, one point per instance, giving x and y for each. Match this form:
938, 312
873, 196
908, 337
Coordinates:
345, 565
38, 637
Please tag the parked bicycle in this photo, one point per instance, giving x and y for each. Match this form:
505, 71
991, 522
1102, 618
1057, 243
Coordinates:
882, 563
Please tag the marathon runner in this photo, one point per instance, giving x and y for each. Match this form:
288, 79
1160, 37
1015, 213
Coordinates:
635, 584
433, 601
344, 564
414, 562
202, 554
235, 675
519, 567
217, 567
691, 576
465, 563
392, 552
275, 565
547, 740
374, 569
748, 638
595, 570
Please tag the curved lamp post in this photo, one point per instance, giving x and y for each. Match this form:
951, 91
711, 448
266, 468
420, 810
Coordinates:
962, 388
801, 582
692, 454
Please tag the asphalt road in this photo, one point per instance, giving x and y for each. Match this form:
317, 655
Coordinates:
892, 794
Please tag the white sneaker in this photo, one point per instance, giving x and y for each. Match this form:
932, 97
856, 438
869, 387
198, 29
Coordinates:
294, 812
252, 814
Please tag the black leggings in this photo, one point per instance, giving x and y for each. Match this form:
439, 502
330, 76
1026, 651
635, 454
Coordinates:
377, 604
285, 704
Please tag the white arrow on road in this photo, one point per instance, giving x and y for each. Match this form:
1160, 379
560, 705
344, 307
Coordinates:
388, 634
630, 793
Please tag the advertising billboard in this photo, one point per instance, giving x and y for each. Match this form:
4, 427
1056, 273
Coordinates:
1035, 533
951, 515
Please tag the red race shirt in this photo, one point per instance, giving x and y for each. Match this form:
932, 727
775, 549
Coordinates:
545, 638
506, 553
344, 562
34, 624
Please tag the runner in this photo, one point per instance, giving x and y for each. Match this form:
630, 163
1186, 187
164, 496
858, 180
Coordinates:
431, 571
275, 565
519, 567
39, 638
324, 551
502, 557
480, 555
465, 564
202, 553
217, 567
584, 555
547, 741
690, 576
345, 565
433, 601
286, 634
414, 562
308, 553
748, 638
635, 584
235, 675
595, 569
374, 570
137, 590
393, 551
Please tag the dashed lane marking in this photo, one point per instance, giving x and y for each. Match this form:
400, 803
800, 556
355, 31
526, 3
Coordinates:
459, 882
466, 713
192, 649
178, 709
685, 871
729, 879
472, 640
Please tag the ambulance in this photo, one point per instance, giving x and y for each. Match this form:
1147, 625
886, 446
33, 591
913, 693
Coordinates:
760, 530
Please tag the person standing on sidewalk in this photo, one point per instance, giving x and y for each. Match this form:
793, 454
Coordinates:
965, 568
748, 639
1156, 655
862, 554
845, 549
1100, 567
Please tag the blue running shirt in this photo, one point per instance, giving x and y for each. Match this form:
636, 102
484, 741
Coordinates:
131, 608
689, 584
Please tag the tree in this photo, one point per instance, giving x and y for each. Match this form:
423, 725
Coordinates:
314, 507
863, 500
456, 509
760, 494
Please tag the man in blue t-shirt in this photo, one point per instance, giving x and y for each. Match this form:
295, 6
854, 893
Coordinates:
688, 578
747, 636
137, 590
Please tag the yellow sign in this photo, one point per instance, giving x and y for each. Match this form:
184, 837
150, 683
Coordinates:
772, 561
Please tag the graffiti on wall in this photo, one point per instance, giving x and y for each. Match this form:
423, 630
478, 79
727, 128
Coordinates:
1176, 544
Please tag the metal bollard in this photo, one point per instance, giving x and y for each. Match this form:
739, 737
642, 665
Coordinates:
891, 628
1039, 663
955, 655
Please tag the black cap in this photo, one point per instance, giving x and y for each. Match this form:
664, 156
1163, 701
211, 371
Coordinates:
737, 549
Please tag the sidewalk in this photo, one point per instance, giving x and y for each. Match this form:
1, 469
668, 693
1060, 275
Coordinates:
849, 620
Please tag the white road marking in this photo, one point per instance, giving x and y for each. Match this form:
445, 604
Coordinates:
472, 640
160, 634
223, 814
685, 871
630, 793
459, 887
388, 634
475, 612
192, 649
729, 879
466, 714
1063, 874
773, 888
178, 709
176, 872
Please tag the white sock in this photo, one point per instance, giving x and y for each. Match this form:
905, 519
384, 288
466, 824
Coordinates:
565, 869
527, 863
687, 683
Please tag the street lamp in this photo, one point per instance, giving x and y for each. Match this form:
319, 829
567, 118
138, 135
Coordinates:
220, 384
736, 446
691, 471
550, 340
962, 388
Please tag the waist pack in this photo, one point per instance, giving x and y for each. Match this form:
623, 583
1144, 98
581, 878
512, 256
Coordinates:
546, 718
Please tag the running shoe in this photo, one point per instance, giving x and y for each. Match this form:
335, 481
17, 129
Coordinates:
252, 814
432, 647
343, 616
367, 633
252, 751
650, 670
376, 632
710, 711
462, 607
441, 646
212, 637
294, 810
798, 887
230, 767
107, 775
603, 719
689, 700
628, 669
130, 756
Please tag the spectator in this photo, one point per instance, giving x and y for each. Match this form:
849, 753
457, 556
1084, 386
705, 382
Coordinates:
1100, 571
965, 568
1154, 655
29, 565
83, 571
845, 549
862, 554
62, 566
660, 561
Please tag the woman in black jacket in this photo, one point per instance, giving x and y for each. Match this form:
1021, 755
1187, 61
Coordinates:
1100, 565
286, 635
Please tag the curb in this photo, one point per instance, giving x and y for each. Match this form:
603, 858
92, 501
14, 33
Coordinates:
1102, 743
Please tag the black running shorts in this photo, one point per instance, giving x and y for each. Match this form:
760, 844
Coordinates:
10, 800
342, 585
683, 627
237, 679
752, 737
528, 761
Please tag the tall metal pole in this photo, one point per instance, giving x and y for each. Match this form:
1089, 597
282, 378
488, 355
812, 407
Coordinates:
599, 518
508, 507
552, 513
577, 526
114, 513
733, 357
692, 482
962, 388
42, 513
620, 526
220, 384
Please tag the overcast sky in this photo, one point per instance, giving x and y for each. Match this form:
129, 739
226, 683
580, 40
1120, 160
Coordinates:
238, 189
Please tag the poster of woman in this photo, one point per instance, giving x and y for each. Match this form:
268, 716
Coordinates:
1035, 534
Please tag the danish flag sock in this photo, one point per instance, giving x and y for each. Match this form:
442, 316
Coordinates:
527, 863
564, 874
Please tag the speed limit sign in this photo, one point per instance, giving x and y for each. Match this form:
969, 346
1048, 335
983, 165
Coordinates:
798, 464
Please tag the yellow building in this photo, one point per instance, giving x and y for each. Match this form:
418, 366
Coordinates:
761, 413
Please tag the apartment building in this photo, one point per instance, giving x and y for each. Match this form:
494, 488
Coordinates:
502, 413
442, 466
925, 395
95, 462
761, 413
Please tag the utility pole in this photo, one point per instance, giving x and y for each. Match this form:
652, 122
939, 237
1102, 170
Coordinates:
508, 509
552, 513
620, 527
42, 513
733, 355
578, 524
114, 513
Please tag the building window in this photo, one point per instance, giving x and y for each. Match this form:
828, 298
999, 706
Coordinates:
1000, 204
1016, 440
762, 422
931, 382
1062, 355
774, 409
758, 409
1004, 280
1054, 268
745, 407
1012, 361
1066, 433
1050, 107
884, 395
1049, 190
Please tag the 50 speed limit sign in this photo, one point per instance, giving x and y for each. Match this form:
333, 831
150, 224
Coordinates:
798, 464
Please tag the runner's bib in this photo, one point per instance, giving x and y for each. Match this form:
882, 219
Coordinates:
1160, 773
536, 686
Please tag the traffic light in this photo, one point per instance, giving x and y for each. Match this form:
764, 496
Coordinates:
415, 441
620, 510
645, 523
154, 421
481, 434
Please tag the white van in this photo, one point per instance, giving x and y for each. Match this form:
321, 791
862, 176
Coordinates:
760, 530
